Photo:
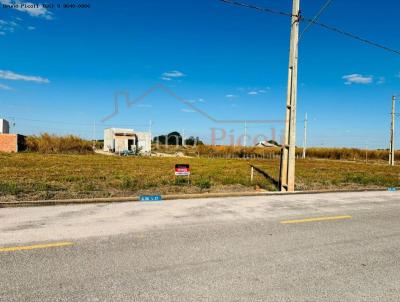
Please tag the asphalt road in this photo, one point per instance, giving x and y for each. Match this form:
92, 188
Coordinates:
323, 247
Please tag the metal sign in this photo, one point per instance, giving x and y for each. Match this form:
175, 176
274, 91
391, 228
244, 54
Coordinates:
182, 170
150, 198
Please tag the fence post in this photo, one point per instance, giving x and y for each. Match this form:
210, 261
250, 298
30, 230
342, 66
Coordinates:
251, 174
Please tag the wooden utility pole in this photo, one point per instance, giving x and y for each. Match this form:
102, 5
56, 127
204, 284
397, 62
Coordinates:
287, 168
392, 150
305, 137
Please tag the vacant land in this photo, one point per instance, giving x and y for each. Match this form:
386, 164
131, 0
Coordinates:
34, 176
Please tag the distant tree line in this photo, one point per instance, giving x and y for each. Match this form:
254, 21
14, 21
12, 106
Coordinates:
175, 139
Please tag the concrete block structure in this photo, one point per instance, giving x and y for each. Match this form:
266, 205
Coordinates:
4, 126
12, 143
119, 140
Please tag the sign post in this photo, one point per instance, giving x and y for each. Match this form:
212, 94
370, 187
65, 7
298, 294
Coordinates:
182, 170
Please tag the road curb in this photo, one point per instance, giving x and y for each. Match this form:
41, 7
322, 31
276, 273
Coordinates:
56, 202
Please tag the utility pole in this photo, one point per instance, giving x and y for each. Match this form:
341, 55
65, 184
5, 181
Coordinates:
183, 138
287, 167
150, 129
305, 137
94, 134
150, 126
391, 150
245, 134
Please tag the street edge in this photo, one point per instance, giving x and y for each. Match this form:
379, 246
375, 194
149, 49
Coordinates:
57, 202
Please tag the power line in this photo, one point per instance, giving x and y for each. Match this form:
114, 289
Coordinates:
323, 8
16, 118
353, 36
263, 9
322, 25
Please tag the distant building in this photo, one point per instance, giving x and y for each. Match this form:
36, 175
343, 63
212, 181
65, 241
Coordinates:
4, 126
119, 140
266, 144
10, 142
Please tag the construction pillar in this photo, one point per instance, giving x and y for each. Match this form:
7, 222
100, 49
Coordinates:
287, 168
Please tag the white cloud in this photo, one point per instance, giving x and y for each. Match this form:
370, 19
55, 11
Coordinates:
254, 90
231, 96
175, 74
357, 79
34, 10
31, 28
7, 27
5, 87
381, 80
145, 106
193, 101
187, 110
264, 90
9, 75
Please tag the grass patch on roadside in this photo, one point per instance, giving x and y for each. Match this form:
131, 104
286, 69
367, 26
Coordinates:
52, 176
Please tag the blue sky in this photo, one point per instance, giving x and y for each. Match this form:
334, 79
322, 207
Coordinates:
60, 68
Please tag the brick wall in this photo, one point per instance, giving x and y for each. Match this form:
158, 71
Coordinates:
8, 142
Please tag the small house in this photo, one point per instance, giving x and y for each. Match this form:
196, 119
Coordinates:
266, 144
119, 140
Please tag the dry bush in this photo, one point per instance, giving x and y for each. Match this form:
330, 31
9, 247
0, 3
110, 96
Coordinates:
49, 143
349, 154
323, 153
237, 152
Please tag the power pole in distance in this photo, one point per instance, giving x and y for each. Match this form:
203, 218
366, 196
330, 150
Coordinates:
150, 129
391, 150
305, 137
245, 134
287, 167
94, 134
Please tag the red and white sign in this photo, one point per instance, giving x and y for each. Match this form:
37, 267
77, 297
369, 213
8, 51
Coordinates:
182, 170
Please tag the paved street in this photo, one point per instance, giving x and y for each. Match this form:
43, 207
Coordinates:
318, 247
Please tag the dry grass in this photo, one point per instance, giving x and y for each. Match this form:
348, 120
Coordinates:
48, 143
351, 154
50, 176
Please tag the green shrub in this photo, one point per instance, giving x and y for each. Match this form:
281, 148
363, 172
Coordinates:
204, 184
129, 183
10, 188
181, 181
